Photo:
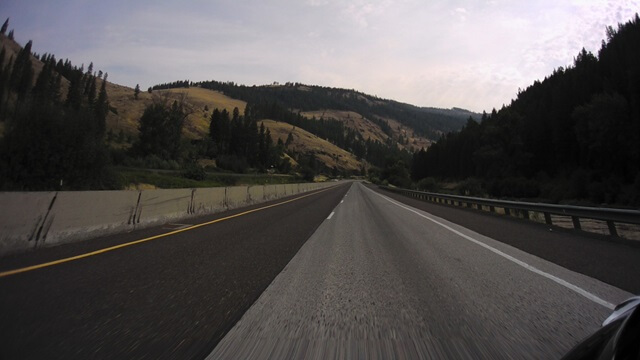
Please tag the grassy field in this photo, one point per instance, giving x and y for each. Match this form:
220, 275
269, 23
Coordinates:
164, 179
305, 142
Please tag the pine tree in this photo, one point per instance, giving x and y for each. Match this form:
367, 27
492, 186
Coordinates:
10, 36
22, 73
91, 94
74, 94
136, 91
161, 129
268, 148
4, 27
225, 131
289, 140
102, 106
4, 81
43, 90
262, 147
215, 130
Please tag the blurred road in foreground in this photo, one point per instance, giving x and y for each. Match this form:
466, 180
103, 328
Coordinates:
380, 279
319, 276
173, 297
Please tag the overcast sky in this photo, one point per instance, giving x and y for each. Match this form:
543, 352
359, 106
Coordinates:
469, 54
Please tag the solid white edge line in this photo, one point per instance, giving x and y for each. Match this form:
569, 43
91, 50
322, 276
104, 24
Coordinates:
533, 269
330, 215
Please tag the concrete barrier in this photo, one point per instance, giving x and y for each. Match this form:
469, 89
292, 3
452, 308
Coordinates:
210, 200
79, 215
289, 189
270, 192
29, 220
157, 206
22, 219
237, 196
256, 194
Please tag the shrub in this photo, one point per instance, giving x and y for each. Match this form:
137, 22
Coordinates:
470, 187
233, 163
427, 184
194, 172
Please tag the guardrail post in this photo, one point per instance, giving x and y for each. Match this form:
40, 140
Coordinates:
507, 211
547, 218
612, 228
576, 223
492, 208
525, 214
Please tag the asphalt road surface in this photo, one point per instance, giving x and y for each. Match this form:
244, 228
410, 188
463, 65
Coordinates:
337, 274
379, 279
170, 298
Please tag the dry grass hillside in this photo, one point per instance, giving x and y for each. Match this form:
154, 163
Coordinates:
414, 141
370, 130
12, 48
126, 110
306, 143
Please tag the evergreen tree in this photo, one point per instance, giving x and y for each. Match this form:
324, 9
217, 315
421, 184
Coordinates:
91, 94
44, 90
101, 107
268, 148
10, 36
263, 155
4, 80
74, 94
136, 91
22, 73
3, 30
161, 129
215, 129
289, 140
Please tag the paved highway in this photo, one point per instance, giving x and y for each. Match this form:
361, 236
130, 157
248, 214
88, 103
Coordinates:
379, 279
172, 297
341, 273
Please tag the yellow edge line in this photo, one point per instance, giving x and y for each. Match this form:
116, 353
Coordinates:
111, 248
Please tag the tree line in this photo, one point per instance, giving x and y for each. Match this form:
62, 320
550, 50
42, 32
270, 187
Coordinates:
574, 135
52, 140
335, 132
426, 122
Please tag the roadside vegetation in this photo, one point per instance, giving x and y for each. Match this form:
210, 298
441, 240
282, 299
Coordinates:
573, 137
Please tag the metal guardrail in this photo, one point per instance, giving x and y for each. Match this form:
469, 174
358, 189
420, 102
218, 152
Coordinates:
610, 215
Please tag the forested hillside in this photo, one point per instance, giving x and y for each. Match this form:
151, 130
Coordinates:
399, 128
574, 135
60, 130
428, 122
53, 117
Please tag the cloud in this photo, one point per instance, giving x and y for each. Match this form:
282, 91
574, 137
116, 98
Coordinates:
435, 53
461, 13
